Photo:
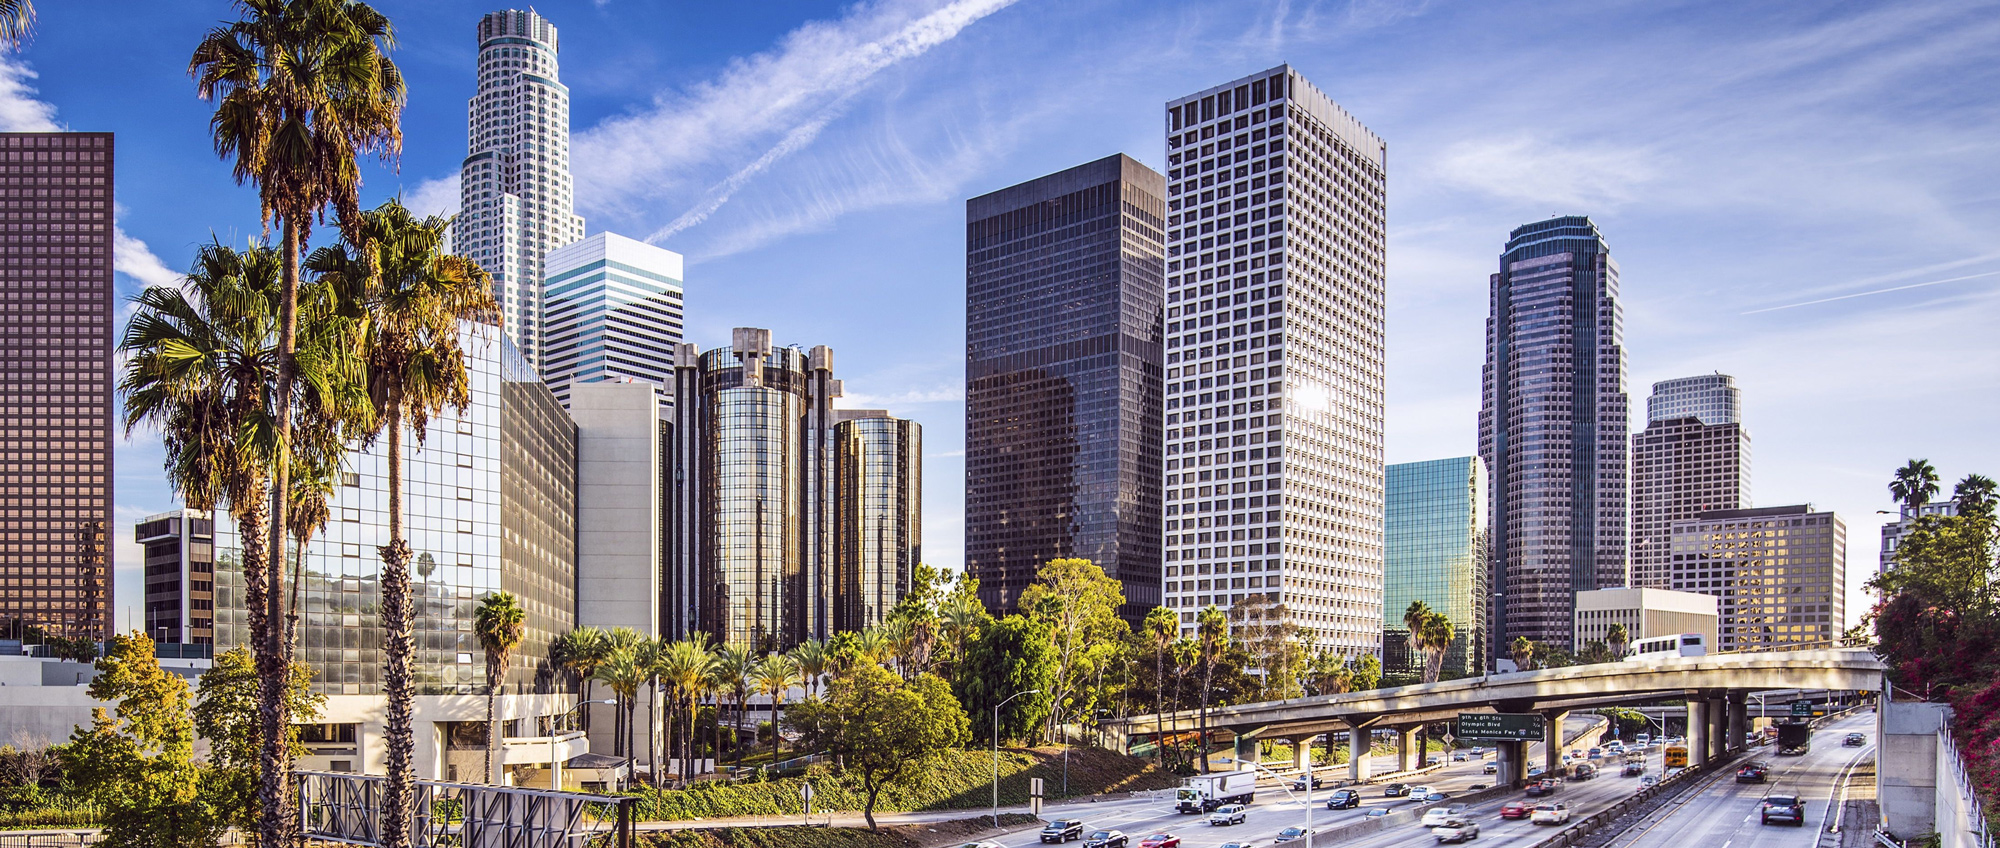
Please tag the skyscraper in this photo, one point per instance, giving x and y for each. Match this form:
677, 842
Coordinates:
56, 303
515, 202
1552, 427
878, 531
1779, 574
1062, 379
180, 576
1434, 531
1275, 289
612, 311
1692, 458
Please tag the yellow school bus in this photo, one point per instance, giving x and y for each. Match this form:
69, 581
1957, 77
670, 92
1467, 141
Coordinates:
1677, 756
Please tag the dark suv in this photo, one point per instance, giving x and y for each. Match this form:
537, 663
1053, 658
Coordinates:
1107, 839
1062, 830
1786, 809
1344, 799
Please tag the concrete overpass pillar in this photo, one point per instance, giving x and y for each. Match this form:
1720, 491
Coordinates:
1302, 752
1552, 745
1357, 751
1407, 745
1698, 726
1512, 760
1718, 731
1244, 750
1739, 719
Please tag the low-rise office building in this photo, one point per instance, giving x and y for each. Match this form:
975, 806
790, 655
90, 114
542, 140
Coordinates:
1778, 574
1646, 613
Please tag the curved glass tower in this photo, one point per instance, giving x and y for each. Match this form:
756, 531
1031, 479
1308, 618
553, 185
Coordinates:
878, 464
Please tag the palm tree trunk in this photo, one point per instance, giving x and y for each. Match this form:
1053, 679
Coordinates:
631, 711
492, 733
273, 822
1207, 679
776, 740
1159, 705
397, 647
715, 731
652, 724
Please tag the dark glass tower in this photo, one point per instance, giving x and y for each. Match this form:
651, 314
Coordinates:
1552, 428
56, 302
1063, 297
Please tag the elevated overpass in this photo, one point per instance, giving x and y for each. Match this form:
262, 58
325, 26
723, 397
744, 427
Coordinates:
1715, 688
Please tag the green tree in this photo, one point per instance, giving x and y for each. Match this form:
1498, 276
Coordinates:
1212, 635
498, 622
1523, 652
1080, 605
889, 731
136, 760
1618, 638
225, 714
301, 88
17, 20
1914, 485
1436, 633
687, 668
961, 618
622, 672
733, 664
1274, 643
773, 675
1011, 655
579, 652
1160, 628
812, 658
1366, 673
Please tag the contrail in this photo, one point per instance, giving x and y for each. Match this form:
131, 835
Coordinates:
1877, 291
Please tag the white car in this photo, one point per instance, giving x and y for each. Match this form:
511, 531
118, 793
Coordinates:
1459, 830
1421, 792
1441, 816
1227, 814
1550, 814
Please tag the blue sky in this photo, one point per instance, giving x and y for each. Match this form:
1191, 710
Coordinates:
1803, 195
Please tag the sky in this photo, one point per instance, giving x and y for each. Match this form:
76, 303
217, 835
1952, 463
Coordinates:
1803, 195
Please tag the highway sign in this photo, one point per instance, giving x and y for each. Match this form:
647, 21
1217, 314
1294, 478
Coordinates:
1802, 708
1515, 727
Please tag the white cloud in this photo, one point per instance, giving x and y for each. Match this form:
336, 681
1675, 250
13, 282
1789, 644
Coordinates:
713, 138
907, 397
20, 111
1542, 171
131, 257
434, 196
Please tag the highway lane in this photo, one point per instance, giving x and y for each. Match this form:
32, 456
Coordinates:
1724, 813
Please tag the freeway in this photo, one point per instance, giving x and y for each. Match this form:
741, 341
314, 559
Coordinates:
1724, 812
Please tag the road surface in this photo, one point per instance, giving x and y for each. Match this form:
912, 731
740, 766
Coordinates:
1724, 813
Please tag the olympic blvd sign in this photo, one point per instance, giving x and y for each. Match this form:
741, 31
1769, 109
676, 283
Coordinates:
1510, 727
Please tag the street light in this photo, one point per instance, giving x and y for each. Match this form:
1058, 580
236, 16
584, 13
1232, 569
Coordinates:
996, 751
1307, 777
555, 767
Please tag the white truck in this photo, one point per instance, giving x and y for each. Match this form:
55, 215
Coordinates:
1202, 793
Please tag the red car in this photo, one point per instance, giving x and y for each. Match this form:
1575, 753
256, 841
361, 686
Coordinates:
1515, 810
1160, 840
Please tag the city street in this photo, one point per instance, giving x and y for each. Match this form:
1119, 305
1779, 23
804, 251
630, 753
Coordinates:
1724, 812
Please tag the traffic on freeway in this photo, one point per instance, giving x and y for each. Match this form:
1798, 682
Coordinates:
1726, 811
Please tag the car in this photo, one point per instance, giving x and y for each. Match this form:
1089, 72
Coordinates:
1534, 771
1160, 840
1395, 790
1235, 845
1437, 816
1292, 834
1550, 814
1643, 738
978, 845
1225, 814
1459, 830
1344, 799
1648, 782
1583, 771
1545, 786
1300, 784
1490, 768
1434, 797
1753, 773
1595, 753
1477, 786
1515, 810
1615, 748
1854, 740
1634, 768
1420, 793
1458, 757
1783, 808
1059, 831
1107, 839
1434, 759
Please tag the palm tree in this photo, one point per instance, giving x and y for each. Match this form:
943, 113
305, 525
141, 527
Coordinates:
716, 681
1161, 626
1212, 634
579, 652
1618, 638
313, 481
961, 618
1975, 495
812, 659
686, 669
773, 675
1915, 484
734, 663
498, 622
1437, 635
393, 268
17, 20
1413, 625
1523, 652
877, 644
651, 655
301, 87
622, 672
204, 368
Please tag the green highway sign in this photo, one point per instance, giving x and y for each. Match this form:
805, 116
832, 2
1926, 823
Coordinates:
1513, 727
1802, 708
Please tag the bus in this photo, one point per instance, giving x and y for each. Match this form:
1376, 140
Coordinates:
1677, 756
1683, 645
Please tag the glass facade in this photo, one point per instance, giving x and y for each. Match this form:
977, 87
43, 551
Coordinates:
56, 307
1063, 379
1275, 327
613, 313
1713, 398
457, 496
1552, 427
879, 532
1434, 538
1779, 574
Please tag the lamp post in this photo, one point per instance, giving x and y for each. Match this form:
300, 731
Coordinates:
1305, 776
555, 766
996, 751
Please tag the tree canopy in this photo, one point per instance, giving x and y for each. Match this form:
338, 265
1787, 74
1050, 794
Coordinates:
886, 730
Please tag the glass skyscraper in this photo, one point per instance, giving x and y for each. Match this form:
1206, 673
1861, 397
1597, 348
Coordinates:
1434, 538
1276, 284
613, 312
879, 530
1552, 427
56, 307
1712, 398
1062, 378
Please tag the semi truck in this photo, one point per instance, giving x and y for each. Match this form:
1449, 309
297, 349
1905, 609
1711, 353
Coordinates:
1202, 793
1794, 738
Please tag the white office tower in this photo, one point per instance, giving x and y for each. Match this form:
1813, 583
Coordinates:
1275, 292
1713, 398
515, 202
611, 309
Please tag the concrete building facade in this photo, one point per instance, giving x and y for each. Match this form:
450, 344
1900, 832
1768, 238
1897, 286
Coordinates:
1778, 574
180, 576
1434, 533
1906, 520
1063, 379
1646, 613
1552, 427
1276, 251
613, 311
1694, 461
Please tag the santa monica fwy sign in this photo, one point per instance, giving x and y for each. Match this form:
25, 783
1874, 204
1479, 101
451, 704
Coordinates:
1511, 727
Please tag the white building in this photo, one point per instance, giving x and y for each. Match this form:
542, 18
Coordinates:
1646, 613
1275, 293
1906, 520
1713, 398
515, 201
612, 312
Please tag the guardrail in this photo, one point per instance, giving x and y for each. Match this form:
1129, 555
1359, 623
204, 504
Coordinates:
1976, 827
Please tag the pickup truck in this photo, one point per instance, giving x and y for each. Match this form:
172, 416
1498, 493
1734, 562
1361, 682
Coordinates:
1550, 814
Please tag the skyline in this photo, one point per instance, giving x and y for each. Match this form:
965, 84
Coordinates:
1674, 174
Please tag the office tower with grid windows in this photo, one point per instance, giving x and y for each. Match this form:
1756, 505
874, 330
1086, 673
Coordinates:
56, 308
1063, 378
1693, 457
612, 309
878, 529
515, 189
1276, 203
1779, 574
1552, 427
1434, 535
180, 576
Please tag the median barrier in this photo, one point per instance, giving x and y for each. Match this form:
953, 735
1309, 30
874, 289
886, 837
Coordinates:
1578, 830
1406, 816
